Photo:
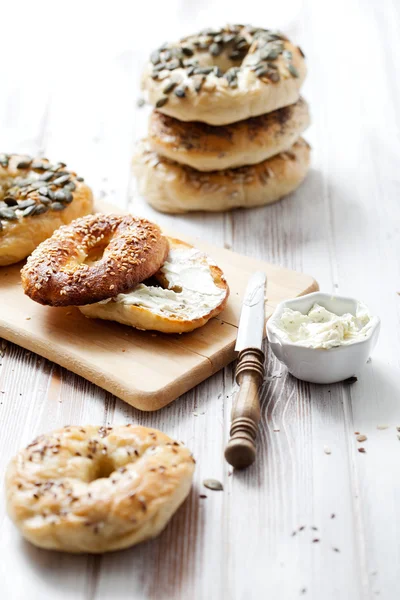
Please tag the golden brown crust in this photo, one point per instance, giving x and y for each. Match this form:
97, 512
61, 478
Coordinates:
225, 76
173, 188
36, 198
97, 489
146, 317
209, 148
94, 258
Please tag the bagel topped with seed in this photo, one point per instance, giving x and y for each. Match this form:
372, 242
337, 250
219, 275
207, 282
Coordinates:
36, 197
94, 258
225, 75
208, 148
187, 291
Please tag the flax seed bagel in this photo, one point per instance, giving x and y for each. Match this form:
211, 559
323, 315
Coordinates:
225, 75
36, 198
208, 148
97, 489
185, 293
173, 188
94, 258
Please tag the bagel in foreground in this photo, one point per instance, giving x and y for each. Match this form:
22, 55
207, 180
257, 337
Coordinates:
208, 148
97, 489
225, 75
173, 188
36, 198
190, 291
94, 258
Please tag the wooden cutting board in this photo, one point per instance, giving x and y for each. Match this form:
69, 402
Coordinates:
147, 370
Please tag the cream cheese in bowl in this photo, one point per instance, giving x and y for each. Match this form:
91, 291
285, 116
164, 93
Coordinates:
321, 328
323, 338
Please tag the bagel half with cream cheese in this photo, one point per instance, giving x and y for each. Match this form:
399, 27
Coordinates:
183, 295
208, 148
225, 75
173, 188
36, 198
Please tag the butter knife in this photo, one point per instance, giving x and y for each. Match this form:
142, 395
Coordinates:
240, 451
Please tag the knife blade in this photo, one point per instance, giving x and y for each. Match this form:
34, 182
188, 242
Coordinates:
252, 317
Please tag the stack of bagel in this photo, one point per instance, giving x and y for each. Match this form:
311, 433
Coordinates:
225, 132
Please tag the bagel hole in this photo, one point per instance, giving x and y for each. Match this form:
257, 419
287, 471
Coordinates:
223, 61
103, 468
95, 254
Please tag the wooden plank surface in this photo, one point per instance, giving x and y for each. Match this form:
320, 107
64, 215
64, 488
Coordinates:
145, 369
341, 226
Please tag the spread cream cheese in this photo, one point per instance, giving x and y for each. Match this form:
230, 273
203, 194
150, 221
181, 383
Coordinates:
191, 292
320, 328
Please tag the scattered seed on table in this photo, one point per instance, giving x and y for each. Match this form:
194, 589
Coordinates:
213, 484
335, 549
382, 427
362, 450
362, 438
327, 450
315, 540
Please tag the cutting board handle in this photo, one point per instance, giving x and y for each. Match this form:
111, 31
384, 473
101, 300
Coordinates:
240, 451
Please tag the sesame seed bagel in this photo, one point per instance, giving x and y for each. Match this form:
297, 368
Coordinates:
208, 148
94, 258
173, 188
186, 292
36, 198
225, 75
97, 489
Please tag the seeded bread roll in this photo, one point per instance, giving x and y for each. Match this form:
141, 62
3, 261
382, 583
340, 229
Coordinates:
94, 258
173, 188
225, 75
36, 198
97, 489
190, 291
208, 148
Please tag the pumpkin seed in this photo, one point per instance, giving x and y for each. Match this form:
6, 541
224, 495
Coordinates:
26, 204
213, 484
46, 176
169, 87
161, 101
155, 57
61, 180
57, 206
40, 209
63, 196
8, 214
215, 49
180, 92
44, 200
292, 70
4, 160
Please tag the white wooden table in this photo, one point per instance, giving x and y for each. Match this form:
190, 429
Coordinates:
300, 521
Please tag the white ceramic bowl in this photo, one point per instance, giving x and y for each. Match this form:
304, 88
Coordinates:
316, 364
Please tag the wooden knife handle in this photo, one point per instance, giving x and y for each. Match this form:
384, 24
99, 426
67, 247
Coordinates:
240, 451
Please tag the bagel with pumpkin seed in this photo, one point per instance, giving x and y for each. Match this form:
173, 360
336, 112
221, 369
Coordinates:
224, 75
173, 188
208, 148
187, 291
36, 198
